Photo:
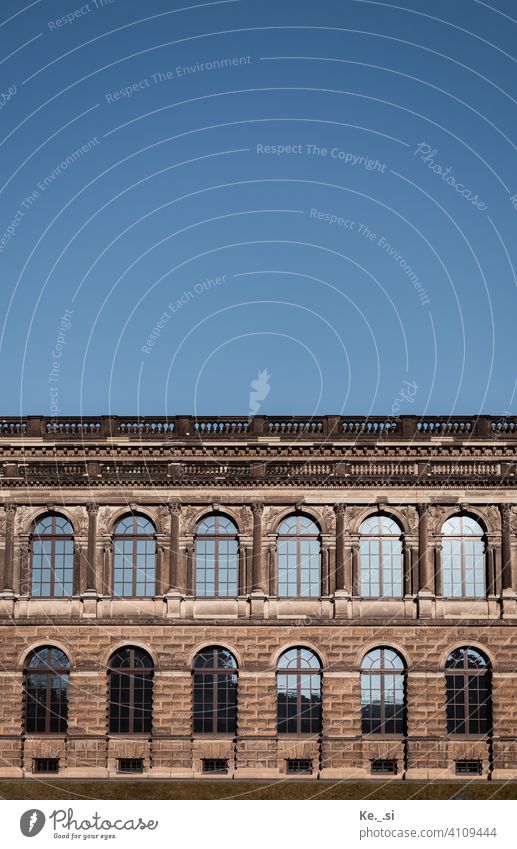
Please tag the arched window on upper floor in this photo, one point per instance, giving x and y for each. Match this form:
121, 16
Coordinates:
217, 557
52, 557
299, 557
463, 558
381, 558
134, 558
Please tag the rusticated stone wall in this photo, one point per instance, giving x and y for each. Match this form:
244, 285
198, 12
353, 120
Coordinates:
257, 751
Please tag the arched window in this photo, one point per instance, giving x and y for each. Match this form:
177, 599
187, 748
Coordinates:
299, 557
468, 692
46, 675
134, 562
299, 692
52, 557
130, 673
463, 561
215, 691
217, 557
381, 558
383, 698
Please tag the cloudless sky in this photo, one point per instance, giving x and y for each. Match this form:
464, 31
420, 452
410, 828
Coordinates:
195, 193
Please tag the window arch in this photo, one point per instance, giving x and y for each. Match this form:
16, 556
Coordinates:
134, 560
463, 559
299, 692
469, 692
52, 557
217, 557
46, 677
130, 672
215, 691
299, 557
381, 559
383, 696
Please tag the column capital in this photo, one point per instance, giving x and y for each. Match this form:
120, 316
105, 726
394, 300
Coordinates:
257, 508
92, 508
10, 508
421, 509
174, 508
339, 509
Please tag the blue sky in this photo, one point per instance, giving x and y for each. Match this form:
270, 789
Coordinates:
318, 197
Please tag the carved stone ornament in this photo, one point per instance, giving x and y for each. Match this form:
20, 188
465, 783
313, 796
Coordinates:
437, 514
492, 516
410, 514
105, 520
329, 518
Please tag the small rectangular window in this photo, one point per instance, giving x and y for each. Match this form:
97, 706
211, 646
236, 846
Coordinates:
219, 765
299, 766
466, 767
46, 765
130, 765
384, 766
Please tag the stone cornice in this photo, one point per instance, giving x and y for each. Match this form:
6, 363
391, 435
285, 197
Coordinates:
325, 452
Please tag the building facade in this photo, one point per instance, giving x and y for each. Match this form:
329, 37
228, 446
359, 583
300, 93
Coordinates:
265, 598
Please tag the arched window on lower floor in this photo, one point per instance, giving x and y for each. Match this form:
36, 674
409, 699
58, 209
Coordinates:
215, 691
469, 692
130, 673
383, 692
46, 674
299, 692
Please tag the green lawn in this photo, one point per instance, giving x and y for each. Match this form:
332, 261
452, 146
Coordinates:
48, 789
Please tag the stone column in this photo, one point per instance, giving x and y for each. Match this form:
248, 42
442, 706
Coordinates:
273, 570
90, 578
107, 566
425, 574
438, 571
406, 559
491, 567
507, 567
191, 578
355, 552
241, 588
177, 580
257, 581
341, 583
10, 510
324, 588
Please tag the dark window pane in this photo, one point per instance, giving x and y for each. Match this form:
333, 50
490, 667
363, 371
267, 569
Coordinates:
46, 692
215, 692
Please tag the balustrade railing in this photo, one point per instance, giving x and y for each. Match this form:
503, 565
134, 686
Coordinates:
240, 427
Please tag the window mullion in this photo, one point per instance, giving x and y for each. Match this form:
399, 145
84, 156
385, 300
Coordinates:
215, 695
